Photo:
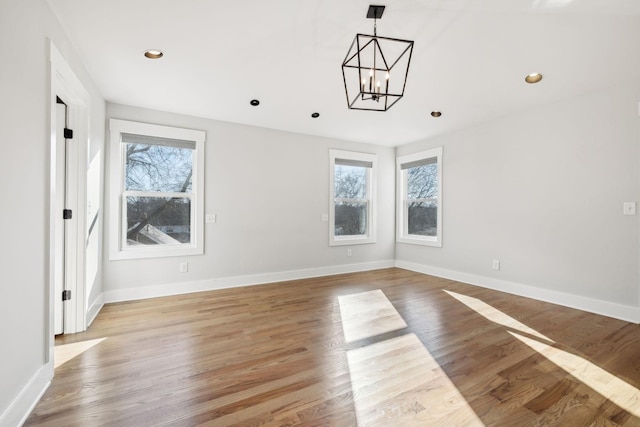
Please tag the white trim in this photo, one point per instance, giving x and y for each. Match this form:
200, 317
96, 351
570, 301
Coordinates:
24, 403
638, 229
402, 235
94, 309
370, 237
117, 207
604, 308
134, 293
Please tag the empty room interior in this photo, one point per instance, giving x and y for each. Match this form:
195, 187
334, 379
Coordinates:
336, 213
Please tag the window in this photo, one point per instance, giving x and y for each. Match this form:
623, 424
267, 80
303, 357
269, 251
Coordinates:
156, 190
419, 179
352, 198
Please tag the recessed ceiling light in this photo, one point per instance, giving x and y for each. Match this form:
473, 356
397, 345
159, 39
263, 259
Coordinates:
315, 115
533, 78
254, 102
153, 54
436, 114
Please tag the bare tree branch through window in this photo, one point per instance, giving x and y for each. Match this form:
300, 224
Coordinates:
158, 184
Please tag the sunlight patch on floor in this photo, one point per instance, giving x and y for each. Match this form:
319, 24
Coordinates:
602, 382
495, 315
607, 385
396, 381
367, 314
65, 352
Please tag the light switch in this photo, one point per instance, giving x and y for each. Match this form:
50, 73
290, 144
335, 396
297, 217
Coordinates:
629, 208
184, 267
324, 217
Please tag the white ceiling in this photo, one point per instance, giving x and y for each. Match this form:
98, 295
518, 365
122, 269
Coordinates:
469, 61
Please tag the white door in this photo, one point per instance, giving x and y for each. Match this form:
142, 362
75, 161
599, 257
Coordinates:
59, 232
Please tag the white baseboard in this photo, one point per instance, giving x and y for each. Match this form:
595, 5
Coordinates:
20, 409
134, 293
605, 308
94, 309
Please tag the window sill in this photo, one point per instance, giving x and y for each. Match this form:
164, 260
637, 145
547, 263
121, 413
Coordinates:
343, 241
155, 252
426, 241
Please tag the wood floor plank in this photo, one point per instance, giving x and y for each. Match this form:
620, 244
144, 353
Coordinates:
418, 351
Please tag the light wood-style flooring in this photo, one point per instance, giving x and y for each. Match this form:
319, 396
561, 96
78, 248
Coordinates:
382, 348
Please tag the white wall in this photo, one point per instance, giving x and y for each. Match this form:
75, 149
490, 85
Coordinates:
542, 191
268, 189
25, 27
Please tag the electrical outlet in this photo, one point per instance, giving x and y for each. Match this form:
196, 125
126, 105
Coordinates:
184, 267
210, 218
496, 264
629, 208
349, 253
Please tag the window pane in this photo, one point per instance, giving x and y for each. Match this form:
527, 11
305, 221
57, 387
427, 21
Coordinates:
162, 168
422, 218
422, 182
350, 182
158, 221
350, 218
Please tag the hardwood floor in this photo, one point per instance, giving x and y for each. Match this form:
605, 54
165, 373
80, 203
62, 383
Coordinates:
383, 348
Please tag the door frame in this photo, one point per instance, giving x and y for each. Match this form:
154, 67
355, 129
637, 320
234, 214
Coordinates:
66, 85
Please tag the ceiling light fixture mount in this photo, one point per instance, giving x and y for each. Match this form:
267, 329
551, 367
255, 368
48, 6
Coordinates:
254, 102
153, 54
369, 65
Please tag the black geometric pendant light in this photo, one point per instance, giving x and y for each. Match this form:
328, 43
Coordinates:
375, 69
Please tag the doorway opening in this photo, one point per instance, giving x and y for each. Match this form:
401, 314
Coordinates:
67, 214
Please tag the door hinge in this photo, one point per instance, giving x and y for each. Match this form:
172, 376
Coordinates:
68, 133
66, 295
67, 213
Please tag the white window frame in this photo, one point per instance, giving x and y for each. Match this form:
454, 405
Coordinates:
402, 234
117, 205
370, 236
